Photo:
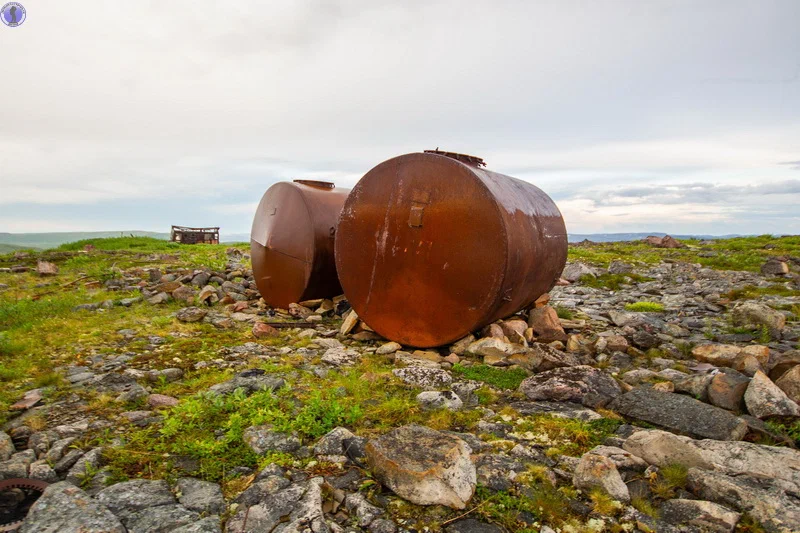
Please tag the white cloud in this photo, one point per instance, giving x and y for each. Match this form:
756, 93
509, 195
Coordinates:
208, 104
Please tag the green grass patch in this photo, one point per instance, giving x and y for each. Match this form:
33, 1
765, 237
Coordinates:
612, 281
645, 307
542, 502
750, 292
501, 378
567, 436
563, 312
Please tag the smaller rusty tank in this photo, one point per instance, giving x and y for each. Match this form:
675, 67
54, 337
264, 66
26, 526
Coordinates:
291, 243
430, 246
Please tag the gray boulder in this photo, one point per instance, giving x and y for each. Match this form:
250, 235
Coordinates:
6, 447
769, 501
679, 413
295, 509
201, 496
64, 508
752, 314
161, 519
699, 515
191, 314
210, 524
129, 497
439, 399
251, 381
424, 466
764, 399
424, 377
575, 271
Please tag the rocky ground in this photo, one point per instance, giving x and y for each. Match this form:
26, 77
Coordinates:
656, 388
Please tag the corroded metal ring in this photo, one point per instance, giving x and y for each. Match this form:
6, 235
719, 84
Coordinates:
20, 483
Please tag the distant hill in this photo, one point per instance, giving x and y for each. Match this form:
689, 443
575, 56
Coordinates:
8, 248
616, 237
52, 240
10, 242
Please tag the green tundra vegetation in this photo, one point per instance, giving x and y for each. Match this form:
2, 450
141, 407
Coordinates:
40, 331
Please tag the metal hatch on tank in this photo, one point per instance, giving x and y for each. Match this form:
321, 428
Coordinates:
430, 247
292, 239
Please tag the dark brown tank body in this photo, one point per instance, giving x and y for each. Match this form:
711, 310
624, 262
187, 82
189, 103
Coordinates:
430, 248
291, 243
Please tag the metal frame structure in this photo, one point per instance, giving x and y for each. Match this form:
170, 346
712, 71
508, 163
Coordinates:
187, 235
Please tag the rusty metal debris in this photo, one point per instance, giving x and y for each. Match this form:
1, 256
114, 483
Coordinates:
32, 489
291, 242
187, 235
430, 247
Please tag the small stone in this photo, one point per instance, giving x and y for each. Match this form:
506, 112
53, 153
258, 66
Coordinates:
160, 298
184, 294
491, 346
764, 399
424, 466
264, 331
191, 314
334, 442
546, 325
460, 347
789, 383
340, 357
727, 389
349, 323
6, 447
299, 311
45, 268
599, 471
263, 439
389, 347
158, 401
439, 400
424, 377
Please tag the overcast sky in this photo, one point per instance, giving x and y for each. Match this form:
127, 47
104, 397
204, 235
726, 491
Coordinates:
672, 116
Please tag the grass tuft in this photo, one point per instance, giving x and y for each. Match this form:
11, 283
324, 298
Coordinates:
501, 378
645, 307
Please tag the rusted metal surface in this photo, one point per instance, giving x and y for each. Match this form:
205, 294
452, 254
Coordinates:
291, 243
31, 487
430, 248
187, 235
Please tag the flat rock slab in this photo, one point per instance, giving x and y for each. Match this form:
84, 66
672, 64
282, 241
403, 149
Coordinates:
770, 501
64, 508
681, 414
581, 384
557, 409
424, 466
127, 498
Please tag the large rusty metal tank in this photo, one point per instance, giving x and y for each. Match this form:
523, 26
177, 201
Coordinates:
430, 247
291, 243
